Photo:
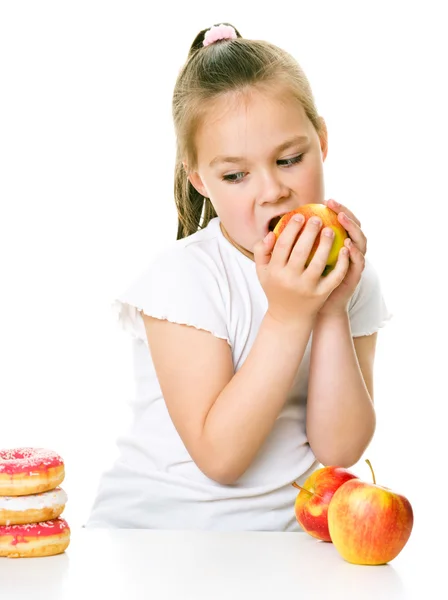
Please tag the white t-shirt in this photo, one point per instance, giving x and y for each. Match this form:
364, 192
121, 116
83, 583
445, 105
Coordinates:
205, 282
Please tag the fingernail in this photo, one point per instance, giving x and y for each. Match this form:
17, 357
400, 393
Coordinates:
266, 239
335, 203
315, 221
298, 218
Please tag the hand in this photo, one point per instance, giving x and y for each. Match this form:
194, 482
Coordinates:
337, 302
295, 292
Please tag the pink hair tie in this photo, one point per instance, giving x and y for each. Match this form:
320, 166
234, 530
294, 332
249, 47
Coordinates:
219, 32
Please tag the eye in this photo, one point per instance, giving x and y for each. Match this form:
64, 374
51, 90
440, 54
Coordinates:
233, 177
288, 162
284, 162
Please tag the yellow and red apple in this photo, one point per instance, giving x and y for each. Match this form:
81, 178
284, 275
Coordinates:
369, 524
313, 500
329, 219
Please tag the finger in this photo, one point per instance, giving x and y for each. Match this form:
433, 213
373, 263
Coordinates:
286, 240
356, 255
337, 208
355, 269
354, 231
320, 258
262, 250
304, 244
336, 276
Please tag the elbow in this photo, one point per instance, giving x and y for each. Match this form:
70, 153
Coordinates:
222, 465
333, 460
225, 479
222, 473
225, 470
341, 455
343, 450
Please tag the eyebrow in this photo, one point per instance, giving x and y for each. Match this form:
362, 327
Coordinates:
297, 139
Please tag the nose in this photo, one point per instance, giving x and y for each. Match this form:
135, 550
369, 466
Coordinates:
271, 188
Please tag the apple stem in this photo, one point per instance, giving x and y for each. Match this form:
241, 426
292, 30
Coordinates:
296, 485
373, 474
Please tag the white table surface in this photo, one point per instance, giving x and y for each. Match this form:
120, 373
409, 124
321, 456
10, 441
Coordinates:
164, 565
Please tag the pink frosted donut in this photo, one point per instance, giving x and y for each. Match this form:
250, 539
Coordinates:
37, 539
26, 471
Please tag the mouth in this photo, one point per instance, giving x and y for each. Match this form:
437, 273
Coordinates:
273, 222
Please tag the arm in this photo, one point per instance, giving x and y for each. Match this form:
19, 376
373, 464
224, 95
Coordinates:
223, 418
340, 414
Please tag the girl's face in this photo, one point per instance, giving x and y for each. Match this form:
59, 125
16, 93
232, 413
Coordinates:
258, 157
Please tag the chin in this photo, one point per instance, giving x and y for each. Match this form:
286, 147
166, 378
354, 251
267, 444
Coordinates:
240, 242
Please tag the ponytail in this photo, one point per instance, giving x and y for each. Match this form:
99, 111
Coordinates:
190, 204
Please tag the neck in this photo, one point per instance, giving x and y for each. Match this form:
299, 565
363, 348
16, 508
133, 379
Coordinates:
237, 246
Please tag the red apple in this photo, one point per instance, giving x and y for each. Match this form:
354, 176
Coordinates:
329, 219
369, 524
312, 502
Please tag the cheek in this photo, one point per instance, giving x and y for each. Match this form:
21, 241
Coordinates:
240, 214
233, 200
239, 218
311, 184
319, 185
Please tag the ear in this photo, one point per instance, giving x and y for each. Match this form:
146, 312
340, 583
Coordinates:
323, 138
196, 181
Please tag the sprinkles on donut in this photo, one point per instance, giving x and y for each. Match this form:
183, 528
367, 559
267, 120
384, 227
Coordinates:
36, 539
31, 503
25, 471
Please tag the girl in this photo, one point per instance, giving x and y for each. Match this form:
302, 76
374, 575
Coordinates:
251, 370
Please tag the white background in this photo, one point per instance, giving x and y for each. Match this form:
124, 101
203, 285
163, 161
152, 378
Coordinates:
86, 191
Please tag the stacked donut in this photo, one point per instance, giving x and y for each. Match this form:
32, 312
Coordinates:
31, 503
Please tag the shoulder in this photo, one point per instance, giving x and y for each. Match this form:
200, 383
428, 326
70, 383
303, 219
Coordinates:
183, 284
198, 255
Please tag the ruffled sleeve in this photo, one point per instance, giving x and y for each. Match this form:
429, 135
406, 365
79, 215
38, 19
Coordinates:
367, 310
181, 286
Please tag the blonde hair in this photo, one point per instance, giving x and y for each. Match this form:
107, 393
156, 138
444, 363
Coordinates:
210, 72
